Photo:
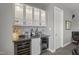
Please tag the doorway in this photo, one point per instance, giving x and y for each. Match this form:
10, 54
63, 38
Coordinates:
58, 28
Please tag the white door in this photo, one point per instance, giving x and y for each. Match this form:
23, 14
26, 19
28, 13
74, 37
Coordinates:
58, 28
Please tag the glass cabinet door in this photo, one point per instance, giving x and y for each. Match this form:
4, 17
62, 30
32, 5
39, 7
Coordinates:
43, 18
18, 14
29, 15
36, 17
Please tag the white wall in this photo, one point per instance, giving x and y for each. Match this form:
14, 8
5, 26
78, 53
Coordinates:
6, 44
50, 24
75, 21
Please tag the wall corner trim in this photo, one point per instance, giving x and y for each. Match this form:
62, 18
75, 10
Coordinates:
66, 44
52, 51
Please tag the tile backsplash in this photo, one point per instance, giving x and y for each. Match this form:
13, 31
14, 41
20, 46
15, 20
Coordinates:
28, 29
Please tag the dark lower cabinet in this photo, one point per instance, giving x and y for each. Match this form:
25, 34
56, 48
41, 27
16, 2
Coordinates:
22, 47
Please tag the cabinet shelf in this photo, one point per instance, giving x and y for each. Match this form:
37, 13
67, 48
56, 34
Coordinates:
23, 50
26, 26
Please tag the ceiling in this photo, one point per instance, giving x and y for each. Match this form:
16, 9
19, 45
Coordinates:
39, 5
70, 6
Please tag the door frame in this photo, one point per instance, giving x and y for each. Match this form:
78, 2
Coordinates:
55, 7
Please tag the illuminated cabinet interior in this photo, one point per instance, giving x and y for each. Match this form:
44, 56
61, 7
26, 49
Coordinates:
18, 14
29, 16
36, 17
43, 18
16, 33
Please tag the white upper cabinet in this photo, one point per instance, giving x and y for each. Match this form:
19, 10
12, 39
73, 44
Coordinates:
43, 18
18, 14
26, 15
29, 15
36, 14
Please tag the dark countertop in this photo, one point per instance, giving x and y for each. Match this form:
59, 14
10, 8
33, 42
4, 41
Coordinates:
43, 35
20, 40
40, 36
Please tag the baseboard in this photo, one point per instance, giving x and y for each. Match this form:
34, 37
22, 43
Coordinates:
52, 51
66, 44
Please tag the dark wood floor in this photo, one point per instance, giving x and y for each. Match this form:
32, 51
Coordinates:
62, 51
